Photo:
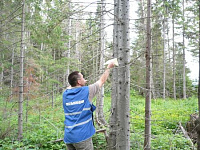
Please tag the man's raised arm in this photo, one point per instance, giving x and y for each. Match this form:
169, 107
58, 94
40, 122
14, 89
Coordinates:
105, 75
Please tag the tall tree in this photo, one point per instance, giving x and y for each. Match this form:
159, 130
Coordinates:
123, 92
119, 137
21, 83
173, 55
164, 65
69, 45
12, 71
184, 61
113, 114
100, 101
1, 72
147, 138
198, 121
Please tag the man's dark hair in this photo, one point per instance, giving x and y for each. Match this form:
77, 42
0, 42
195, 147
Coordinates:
73, 77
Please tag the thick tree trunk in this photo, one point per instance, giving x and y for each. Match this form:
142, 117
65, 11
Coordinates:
123, 93
147, 138
21, 86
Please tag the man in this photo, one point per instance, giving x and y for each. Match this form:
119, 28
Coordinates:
78, 109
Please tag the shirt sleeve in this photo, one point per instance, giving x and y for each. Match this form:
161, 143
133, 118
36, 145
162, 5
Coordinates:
93, 90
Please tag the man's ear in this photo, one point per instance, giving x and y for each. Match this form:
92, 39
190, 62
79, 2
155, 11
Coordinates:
78, 82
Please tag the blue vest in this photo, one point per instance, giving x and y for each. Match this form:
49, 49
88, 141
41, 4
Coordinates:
78, 115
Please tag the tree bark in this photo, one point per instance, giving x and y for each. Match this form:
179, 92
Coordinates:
123, 93
21, 86
1, 74
100, 101
12, 72
164, 57
67, 52
147, 138
184, 61
198, 120
77, 45
69, 47
174, 70
113, 116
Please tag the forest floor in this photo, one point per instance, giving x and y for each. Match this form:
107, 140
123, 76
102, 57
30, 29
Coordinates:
43, 124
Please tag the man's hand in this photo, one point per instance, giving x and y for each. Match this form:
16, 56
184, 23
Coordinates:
111, 65
105, 75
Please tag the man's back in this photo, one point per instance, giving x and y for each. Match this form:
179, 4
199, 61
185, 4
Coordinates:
78, 115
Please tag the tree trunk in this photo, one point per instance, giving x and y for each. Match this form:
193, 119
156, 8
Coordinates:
12, 72
164, 57
147, 138
69, 47
27, 101
153, 92
198, 121
20, 113
168, 40
100, 101
76, 45
53, 95
1, 74
113, 116
123, 93
174, 70
68, 28
184, 80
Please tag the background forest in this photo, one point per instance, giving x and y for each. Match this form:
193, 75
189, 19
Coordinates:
42, 41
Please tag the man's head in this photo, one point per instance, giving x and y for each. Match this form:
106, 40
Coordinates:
76, 79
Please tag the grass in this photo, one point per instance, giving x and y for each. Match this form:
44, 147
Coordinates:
45, 124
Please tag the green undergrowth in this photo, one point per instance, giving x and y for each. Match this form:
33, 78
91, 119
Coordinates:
166, 115
43, 124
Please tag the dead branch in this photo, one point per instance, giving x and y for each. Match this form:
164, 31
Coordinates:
186, 134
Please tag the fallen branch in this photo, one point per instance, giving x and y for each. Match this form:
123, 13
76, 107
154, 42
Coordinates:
58, 140
100, 130
105, 133
186, 134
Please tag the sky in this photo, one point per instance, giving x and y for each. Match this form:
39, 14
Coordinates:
192, 63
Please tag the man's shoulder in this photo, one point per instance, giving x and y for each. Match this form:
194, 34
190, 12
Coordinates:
76, 89
93, 88
94, 85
